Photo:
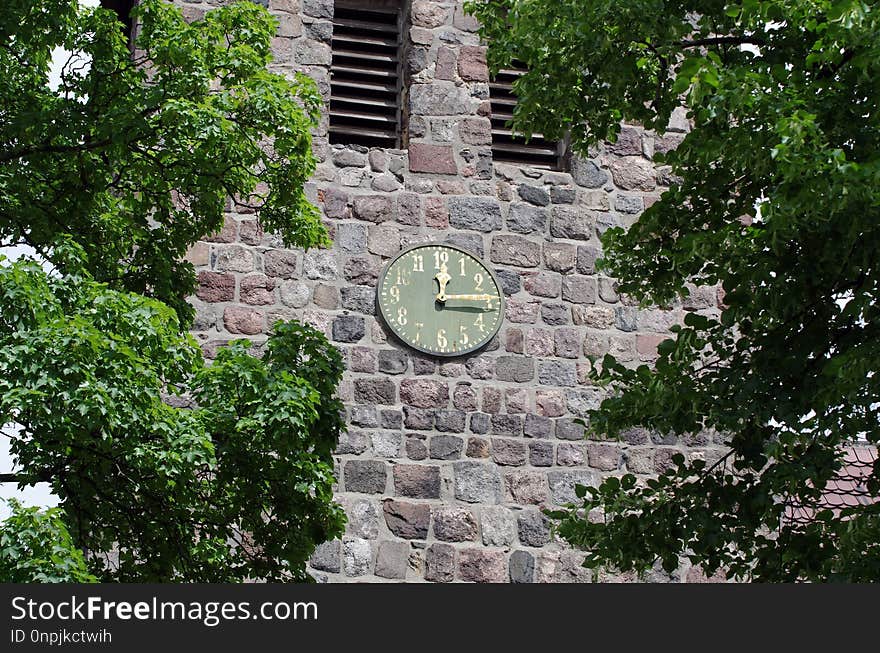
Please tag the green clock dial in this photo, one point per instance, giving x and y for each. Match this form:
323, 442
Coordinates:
440, 299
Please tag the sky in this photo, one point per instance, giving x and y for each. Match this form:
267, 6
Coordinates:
40, 494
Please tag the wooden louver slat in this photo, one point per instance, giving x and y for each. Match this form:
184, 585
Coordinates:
537, 152
365, 77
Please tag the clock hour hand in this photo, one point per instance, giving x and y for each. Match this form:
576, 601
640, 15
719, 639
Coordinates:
442, 278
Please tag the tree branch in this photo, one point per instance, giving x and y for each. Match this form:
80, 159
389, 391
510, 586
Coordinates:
53, 149
721, 40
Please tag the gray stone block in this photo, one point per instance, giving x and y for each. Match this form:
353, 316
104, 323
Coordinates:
392, 559
366, 476
522, 567
477, 482
475, 213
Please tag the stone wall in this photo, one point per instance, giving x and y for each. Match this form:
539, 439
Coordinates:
447, 462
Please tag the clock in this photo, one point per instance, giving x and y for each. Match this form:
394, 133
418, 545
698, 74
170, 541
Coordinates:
440, 299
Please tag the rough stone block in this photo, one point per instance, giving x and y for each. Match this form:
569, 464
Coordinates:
417, 481
424, 393
542, 284
472, 64
357, 557
606, 457
563, 482
507, 425
509, 452
550, 403
247, 321
216, 287
528, 488
559, 257
571, 222
586, 173
363, 519
436, 159
579, 290
440, 563
392, 559
522, 567
633, 173
541, 453
439, 99
449, 421
454, 524
515, 368
373, 208
319, 264
406, 520
537, 427
360, 299
361, 270
568, 429
524, 218
348, 328
474, 213
515, 250
482, 565
327, 557
477, 448
419, 419
386, 444
392, 361
324, 296
377, 390
477, 482
367, 476
446, 447
533, 528
553, 372
567, 343
570, 455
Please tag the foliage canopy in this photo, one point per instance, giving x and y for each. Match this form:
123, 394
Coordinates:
135, 155
165, 469
776, 200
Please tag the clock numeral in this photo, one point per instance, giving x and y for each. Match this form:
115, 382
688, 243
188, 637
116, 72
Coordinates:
440, 258
478, 279
441, 338
402, 278
461, 265
463, 336
401, 315
479, 323
395, 294
418, 337
418, 263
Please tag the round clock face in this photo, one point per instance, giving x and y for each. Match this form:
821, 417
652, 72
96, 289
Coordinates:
440, 299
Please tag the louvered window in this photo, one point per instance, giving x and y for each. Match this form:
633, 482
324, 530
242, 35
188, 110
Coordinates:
507, 148
366, 74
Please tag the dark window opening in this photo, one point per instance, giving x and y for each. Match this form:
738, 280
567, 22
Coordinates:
537, 152
123, 11
365, 74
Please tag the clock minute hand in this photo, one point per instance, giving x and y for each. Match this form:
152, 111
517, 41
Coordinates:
472, 297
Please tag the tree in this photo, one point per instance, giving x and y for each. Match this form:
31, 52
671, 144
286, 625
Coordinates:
135, 156
166, 469
36, 547
775, 199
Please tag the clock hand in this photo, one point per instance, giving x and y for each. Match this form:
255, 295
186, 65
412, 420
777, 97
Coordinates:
473, 297
442, 278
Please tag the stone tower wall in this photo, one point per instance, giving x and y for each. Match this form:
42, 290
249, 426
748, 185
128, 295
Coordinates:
447, 462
